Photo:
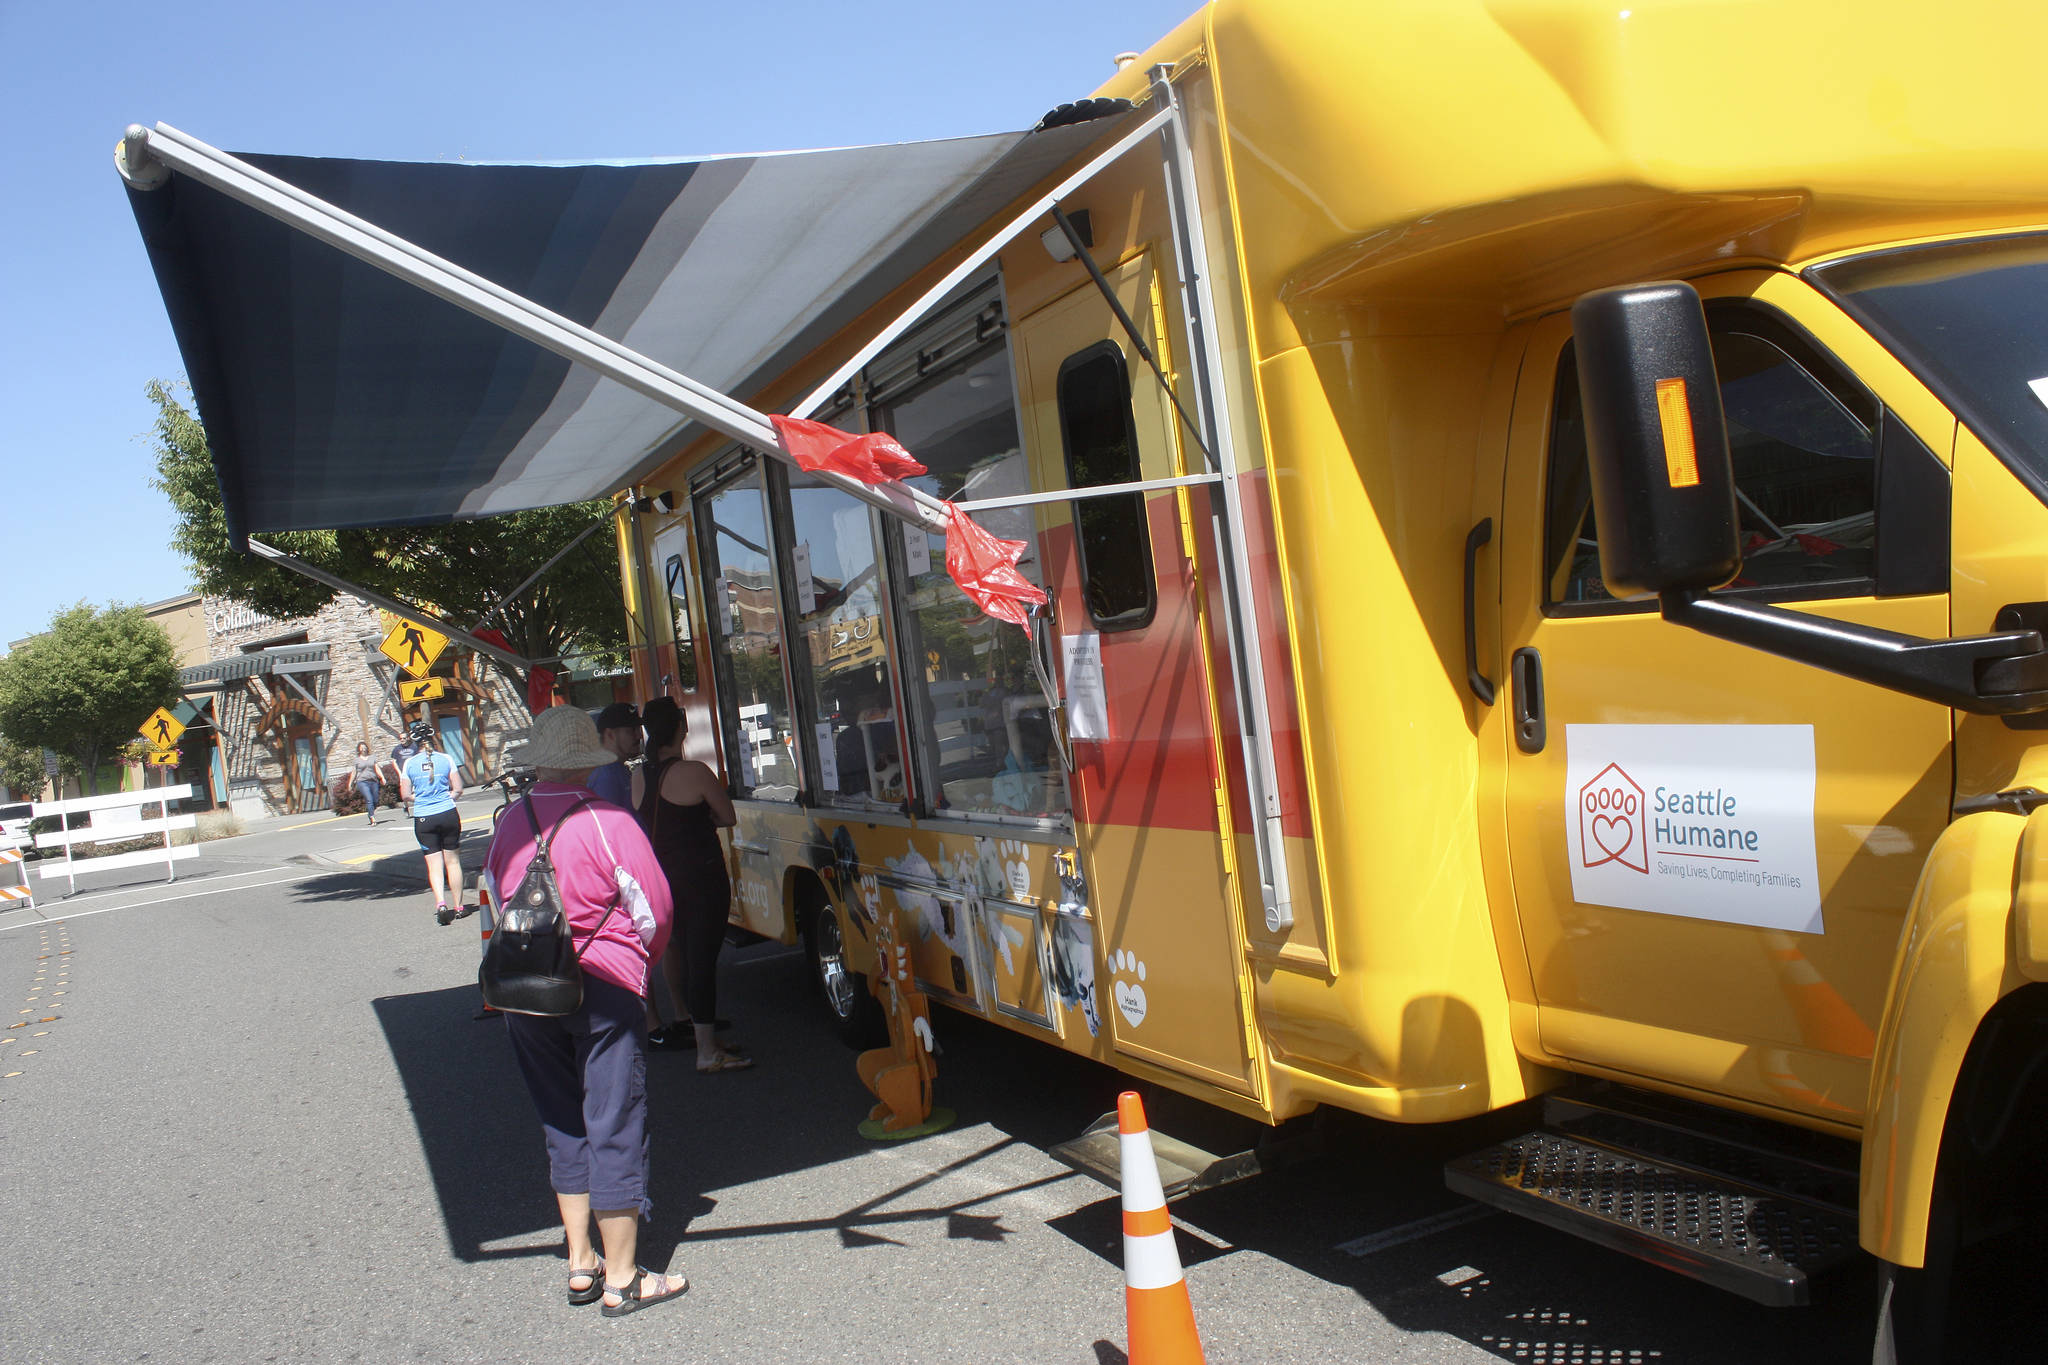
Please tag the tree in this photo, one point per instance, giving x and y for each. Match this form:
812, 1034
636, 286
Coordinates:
21, 769
460, 569
83, 686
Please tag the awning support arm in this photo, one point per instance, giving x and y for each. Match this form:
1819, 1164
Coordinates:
506, 657
1247, 643
144, 151
597, 524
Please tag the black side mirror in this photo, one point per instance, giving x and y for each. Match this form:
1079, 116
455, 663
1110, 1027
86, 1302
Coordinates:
1663, 487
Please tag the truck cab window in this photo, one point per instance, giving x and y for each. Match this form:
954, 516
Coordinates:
746, 632
1804, 443
1101, 447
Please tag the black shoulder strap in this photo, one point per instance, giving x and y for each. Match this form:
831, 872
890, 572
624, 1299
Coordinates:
544, 842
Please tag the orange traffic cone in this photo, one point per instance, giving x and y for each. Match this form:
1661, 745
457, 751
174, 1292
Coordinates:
485, 917
1156, 1303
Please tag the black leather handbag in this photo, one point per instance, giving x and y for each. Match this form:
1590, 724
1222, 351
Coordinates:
532, 964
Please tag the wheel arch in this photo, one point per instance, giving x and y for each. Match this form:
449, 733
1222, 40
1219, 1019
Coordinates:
1959, 1042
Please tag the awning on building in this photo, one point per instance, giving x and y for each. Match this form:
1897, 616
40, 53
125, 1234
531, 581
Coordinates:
304, 658
335, 395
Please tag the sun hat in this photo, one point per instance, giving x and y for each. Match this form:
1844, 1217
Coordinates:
564, 737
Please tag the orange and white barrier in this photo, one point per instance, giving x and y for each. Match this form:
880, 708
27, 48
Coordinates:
22, 897
486, 916
1156, 1304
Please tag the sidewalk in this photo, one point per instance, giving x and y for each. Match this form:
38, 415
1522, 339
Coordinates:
349, 843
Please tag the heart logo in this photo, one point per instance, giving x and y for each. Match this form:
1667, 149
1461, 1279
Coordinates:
1614, 834
1130, 998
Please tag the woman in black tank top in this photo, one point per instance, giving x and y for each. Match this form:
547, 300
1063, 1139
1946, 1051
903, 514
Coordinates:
682, 806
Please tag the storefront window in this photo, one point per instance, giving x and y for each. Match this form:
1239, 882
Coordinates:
842, 668
983, 731
746, 630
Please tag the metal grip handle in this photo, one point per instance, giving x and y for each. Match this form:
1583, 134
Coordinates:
1481, 685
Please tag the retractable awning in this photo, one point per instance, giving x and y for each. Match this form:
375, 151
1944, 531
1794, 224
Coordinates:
335, 395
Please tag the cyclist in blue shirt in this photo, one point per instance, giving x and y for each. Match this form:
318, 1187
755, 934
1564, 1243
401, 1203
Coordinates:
430, 781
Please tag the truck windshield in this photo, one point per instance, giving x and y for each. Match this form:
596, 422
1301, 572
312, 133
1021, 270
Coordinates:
1971, 318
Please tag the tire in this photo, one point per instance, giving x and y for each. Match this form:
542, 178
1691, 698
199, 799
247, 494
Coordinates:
851, 1010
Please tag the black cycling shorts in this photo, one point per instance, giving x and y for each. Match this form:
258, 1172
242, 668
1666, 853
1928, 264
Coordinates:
438, 832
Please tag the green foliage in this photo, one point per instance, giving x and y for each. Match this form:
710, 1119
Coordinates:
21, 768
458, 569
83, 686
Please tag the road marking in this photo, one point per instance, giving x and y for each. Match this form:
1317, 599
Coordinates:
161, 900
84, 896
1373, 1243
309, 824
366, 858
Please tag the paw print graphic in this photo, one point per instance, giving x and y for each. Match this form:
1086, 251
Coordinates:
1127, 975
1016, 867
870, 894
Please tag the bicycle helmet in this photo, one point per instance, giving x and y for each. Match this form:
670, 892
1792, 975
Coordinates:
420, 732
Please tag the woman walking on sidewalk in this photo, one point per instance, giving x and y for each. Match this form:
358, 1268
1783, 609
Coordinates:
587, 1071
369, 781
430, 781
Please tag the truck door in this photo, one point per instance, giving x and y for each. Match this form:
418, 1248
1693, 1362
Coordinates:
1712, 848
1146, 788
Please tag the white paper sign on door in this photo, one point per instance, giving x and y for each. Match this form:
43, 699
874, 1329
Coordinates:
1087, 702
917, 549
828, 757
806, 591
1705, 821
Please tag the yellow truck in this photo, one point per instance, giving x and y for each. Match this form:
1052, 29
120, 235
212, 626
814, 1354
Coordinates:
1542, 510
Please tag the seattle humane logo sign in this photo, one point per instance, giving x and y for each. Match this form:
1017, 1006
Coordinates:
1704, 821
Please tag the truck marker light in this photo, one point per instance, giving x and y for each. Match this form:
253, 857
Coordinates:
1681, 464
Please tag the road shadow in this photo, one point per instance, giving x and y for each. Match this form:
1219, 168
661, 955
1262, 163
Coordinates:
351, 886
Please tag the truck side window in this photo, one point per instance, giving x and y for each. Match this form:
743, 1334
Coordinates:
1101, 445
1804, 440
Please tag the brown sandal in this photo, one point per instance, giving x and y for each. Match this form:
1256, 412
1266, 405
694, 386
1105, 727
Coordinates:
632, 1301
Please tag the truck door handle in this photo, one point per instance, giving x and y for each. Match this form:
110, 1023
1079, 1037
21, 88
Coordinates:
1525, 670
1481, 685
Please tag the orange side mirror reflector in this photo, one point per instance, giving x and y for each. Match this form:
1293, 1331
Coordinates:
1681, 463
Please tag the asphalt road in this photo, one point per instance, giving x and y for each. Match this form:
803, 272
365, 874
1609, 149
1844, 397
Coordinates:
249, 1116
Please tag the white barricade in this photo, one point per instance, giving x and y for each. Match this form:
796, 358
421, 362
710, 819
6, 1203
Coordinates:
113, 818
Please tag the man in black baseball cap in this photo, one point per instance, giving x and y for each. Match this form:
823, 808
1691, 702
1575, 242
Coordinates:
618, 729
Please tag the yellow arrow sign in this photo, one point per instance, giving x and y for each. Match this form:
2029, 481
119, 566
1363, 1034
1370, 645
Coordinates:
433, 689
162, 728
161, 758
413, 647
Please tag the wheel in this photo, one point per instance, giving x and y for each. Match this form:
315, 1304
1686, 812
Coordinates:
851, 1011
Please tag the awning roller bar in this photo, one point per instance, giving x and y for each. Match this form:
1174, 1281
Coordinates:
521, 316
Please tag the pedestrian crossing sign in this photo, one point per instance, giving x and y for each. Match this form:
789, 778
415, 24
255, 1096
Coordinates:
413, 647
432, 689
162, 729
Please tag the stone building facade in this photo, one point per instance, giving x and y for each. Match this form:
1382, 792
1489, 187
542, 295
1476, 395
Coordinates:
279, 705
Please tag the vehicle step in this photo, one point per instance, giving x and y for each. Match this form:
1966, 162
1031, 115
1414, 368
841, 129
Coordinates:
1759, 1243
1183, 1167
1764, 1156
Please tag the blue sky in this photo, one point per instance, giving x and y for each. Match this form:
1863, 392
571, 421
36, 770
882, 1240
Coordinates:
426, 80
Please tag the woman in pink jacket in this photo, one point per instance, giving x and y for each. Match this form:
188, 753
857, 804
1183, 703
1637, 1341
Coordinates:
587, 1071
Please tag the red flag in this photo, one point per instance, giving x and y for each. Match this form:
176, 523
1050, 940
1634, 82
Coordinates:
540, 689
986, 569
873, 458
